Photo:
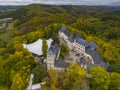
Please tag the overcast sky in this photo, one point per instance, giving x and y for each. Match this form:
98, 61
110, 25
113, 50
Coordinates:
61, 2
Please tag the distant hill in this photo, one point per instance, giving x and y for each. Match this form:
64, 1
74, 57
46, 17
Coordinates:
8, 7
100, 24
30, 17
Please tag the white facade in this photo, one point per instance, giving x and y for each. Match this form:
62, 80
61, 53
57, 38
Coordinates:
62, 35
58, 69
76, 46
65, 38
79, 48
50, 61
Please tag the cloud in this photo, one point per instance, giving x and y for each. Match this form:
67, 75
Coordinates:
61, 2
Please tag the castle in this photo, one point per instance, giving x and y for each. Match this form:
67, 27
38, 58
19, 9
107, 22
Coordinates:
52, 58
86, 50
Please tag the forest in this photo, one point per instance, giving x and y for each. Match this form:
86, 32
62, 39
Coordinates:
31, 22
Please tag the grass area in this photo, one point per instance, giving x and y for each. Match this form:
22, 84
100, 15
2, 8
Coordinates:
9, 27
6, 37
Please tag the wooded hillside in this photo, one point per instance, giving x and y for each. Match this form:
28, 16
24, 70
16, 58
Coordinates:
99, 24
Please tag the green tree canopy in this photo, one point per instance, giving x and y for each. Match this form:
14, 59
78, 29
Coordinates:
44, 47
114, 81
100, 78
70, 79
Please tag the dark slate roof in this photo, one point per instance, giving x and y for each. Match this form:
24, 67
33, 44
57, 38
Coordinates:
71, 38
74, 36
65, 31
57, 48
82, 61
97, 58
93, 45
53, 50
82, 41
90, 65
104, 65
98, 61
79, 40
61, 64
77, 36
62, 29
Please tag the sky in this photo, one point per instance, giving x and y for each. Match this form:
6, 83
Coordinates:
61, 2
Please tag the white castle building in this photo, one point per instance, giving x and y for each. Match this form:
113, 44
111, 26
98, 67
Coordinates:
85, 49
75, 42
52, 58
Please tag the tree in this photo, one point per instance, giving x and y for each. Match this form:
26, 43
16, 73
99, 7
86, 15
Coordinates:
70, 79
74, 77
3, 51
114, 81
100, 78
64, 51
44, 47
39, 74
51, 81
114, 67
17, 82
90, 25
3, 88
18, 46
20, 62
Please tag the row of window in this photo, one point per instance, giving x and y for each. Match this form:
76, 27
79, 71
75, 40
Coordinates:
80, 46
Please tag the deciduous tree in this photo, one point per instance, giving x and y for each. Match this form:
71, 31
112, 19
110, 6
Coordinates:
100, 78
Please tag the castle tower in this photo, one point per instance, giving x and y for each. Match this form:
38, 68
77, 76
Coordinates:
51, 56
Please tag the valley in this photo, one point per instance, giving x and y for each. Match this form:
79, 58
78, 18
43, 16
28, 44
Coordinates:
26, 24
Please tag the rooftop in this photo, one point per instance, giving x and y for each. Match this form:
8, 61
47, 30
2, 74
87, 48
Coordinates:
93, 45
65, 31
61, 64
97, 58
82, 41
53, 50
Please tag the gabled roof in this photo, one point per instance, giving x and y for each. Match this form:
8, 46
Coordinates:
104, 65
82, 61
71, 38
65, 31
93, 45
82, 41
62, 29
77, 36
97, 58
61, 64
53, 50
74, 36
